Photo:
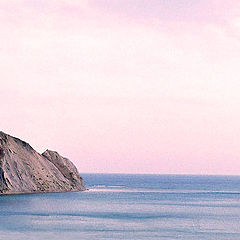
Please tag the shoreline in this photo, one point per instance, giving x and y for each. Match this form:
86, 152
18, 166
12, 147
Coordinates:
23, 193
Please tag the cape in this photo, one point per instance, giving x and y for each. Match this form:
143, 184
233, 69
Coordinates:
24, 170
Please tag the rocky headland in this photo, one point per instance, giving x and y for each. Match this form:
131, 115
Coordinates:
24, 170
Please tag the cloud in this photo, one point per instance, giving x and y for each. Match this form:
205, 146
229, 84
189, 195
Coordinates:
143, 73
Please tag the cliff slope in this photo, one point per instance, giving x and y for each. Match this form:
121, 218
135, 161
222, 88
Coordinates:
23, 170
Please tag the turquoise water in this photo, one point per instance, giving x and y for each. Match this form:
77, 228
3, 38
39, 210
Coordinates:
132, 207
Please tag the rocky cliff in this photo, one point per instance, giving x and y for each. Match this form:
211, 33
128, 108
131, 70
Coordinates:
23, 170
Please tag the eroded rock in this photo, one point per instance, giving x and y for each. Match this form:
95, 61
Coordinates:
23, 170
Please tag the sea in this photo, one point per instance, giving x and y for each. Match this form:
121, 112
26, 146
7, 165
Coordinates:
127, 206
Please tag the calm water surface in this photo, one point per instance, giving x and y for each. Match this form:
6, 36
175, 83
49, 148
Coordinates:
137, 207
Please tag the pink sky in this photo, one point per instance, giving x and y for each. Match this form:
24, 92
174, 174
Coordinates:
149, 86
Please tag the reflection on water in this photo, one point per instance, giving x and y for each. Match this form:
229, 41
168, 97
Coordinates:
128, 207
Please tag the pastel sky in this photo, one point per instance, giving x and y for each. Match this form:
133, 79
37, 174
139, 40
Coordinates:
129, 86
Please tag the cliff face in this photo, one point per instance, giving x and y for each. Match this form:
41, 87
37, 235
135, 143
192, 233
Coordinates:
23, 170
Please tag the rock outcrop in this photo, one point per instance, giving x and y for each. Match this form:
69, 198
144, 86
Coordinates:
23, 170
